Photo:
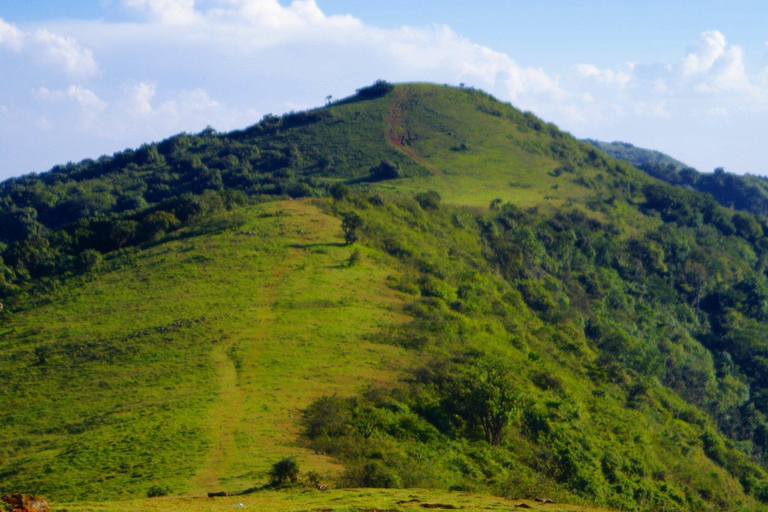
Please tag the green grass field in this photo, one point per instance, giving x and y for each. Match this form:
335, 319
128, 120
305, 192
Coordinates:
347, 500
186, 365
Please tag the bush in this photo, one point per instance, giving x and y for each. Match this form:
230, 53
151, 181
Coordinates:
379, 88
371, 474
354, 258
429, 200
88, 260
158, 490
339, 191
386, 170
284, 472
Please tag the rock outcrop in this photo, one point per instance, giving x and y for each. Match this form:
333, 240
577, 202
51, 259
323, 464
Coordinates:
24, 503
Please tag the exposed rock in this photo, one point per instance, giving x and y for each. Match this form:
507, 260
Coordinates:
219, 494
24, 503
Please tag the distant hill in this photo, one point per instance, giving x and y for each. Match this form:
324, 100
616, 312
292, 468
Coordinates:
415, 287
637, 156
742, 192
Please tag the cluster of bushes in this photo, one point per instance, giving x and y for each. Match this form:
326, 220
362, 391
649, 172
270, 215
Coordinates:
626, 354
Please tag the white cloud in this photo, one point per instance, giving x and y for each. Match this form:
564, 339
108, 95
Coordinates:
85, 98
620, 77
166, 66
169, 12
701, 57
140, 103
10, 36
64, 52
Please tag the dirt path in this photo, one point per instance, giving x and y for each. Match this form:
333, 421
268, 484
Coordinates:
397, 132
226, 415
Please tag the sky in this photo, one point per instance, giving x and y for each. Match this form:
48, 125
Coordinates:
82, 78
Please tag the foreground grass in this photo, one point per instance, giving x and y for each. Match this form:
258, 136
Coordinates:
187, 364
343, 500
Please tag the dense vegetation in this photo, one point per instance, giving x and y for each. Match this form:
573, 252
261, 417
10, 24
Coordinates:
558, 322
656, 335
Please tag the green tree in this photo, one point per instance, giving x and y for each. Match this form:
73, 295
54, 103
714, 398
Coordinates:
350, 224
123, 232
284, 471
339, 191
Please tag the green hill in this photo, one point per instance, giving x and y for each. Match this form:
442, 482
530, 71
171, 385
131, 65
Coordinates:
639, 157
520, 316
743, 192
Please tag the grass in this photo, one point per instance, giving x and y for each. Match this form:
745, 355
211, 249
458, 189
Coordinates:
186, 366
342, 500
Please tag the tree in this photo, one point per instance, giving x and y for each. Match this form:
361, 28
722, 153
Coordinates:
350, 223
386, 170
695, 276
489, 398
478, 390
328, 99
123, 232
88, 260
284, 471
339, 191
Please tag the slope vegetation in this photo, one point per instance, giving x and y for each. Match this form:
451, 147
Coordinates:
521, 316
184, 363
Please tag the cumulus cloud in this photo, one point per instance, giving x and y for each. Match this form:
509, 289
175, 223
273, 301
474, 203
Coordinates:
10, 36
50, 49
619, 77
171, 12
64, 52
178, 65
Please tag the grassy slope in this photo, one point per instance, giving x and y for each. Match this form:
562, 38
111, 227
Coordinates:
502, 159
186, 365
197, 353
351, 500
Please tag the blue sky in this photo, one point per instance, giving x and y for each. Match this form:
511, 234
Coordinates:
81, 78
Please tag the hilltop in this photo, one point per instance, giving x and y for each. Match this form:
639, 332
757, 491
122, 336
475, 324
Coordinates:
416, 287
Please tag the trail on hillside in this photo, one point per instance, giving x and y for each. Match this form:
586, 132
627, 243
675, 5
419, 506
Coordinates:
229, 411
397, 132
224, 418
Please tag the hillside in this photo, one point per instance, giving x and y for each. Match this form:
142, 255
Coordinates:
743, 192
519, 316
639, 157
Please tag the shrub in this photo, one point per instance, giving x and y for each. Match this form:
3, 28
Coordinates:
339, 191
379, 88
354, 258
284, 471
429, 200
386, 170
371, 474
158, 490
88, 260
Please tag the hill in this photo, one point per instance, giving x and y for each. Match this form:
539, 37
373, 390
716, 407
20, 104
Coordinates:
743, 192
416, 287
639, 157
